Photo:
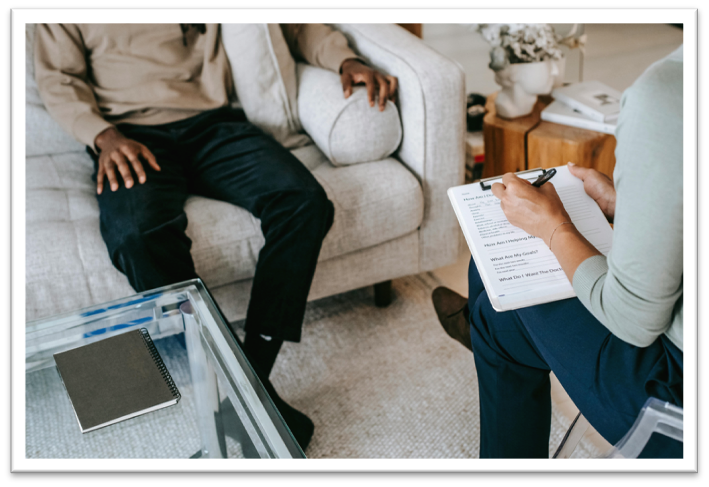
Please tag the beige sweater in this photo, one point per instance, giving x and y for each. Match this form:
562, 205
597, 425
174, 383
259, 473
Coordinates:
93, 76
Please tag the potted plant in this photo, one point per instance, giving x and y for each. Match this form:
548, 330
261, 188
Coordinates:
527, 62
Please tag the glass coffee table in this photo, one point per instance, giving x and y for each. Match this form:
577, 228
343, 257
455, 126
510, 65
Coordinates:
224, 411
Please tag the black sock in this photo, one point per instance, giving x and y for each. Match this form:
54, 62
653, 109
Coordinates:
261, 353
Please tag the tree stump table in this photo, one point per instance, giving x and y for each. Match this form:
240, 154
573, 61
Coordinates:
527, 142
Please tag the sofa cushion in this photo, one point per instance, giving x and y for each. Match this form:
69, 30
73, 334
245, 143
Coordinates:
67, 265
264, 79
347, 130
42, 135
374, 202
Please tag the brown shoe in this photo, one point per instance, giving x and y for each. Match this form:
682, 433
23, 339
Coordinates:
450, 307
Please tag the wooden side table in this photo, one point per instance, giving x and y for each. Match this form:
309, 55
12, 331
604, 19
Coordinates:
415, 29
528, 142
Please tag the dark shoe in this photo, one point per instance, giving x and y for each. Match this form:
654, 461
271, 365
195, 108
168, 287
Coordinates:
299, 424
451, 309
262, 355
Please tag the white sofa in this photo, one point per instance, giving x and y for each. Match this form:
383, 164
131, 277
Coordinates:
392, 217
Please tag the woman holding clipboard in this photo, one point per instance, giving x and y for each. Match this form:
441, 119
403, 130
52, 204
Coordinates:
620, 341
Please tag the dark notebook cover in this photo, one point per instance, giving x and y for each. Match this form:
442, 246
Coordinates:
115, 379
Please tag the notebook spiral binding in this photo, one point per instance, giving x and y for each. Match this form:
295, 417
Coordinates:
161, 365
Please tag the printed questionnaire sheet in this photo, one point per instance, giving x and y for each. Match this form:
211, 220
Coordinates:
518, 269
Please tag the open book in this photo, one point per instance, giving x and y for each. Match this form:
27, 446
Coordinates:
519, 270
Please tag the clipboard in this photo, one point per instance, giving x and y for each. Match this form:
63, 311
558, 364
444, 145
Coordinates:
518, 269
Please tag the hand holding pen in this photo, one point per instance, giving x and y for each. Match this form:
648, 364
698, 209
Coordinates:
534, 207
544, 178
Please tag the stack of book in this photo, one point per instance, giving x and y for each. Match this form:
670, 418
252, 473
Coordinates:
588, 105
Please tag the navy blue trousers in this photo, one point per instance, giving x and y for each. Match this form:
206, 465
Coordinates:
220, 155
608, 379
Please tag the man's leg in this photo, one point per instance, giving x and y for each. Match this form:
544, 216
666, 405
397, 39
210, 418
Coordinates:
236, 162
608, 379
144, 226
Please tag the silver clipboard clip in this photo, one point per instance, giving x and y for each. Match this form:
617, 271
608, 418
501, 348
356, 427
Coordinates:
486, 187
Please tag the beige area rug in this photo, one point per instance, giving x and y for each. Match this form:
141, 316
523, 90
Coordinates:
387, 383
378, 383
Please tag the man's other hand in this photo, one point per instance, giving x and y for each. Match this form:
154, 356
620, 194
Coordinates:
378, 85
119, 153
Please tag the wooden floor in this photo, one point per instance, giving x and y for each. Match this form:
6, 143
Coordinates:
615, 55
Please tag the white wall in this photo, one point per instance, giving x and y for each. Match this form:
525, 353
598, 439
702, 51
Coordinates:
616, 54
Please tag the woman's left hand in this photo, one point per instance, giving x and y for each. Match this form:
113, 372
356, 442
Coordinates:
537, 211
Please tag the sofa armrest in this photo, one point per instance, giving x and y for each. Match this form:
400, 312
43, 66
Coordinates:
431, 103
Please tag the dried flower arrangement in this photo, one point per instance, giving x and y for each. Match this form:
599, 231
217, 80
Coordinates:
523, 43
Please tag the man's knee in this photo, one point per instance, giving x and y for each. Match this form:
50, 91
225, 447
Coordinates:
136, 240
320, 206
310, 207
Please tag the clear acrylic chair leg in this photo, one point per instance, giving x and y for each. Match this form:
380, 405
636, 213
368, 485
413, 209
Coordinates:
656, 416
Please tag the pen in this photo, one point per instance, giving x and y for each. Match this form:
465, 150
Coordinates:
544, 178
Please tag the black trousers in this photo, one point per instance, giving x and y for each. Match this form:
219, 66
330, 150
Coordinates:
219, 154
608, 379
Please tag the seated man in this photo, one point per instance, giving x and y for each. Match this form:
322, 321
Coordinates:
151, 102
620, 342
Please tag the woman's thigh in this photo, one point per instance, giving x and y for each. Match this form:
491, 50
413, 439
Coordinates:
608, 379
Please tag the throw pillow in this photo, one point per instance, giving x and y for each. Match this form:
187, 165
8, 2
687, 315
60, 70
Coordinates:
347, 130
265, 79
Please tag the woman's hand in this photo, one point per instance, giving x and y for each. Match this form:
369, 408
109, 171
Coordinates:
537, 211
540, 212
599, 187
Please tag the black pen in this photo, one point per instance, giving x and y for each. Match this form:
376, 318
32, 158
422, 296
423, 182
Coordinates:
544, 178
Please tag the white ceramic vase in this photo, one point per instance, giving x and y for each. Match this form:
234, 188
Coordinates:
522, 82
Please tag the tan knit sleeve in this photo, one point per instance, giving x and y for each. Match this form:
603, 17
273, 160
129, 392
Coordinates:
61, 75
318, 44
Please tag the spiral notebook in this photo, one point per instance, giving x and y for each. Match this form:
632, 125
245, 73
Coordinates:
116, 379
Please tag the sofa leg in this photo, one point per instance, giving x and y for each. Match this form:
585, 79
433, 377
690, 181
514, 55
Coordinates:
382, 294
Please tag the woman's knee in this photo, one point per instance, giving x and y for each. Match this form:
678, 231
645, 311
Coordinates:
475, 283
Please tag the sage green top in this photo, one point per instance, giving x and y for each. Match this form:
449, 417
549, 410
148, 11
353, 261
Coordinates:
637, 291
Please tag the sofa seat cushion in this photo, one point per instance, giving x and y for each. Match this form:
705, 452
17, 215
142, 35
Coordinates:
374, 202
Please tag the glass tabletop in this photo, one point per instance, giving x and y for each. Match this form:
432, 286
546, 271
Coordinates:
224, 411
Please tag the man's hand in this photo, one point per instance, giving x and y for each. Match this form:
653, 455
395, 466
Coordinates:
354, 72
599, 187
537, 211
121, 153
